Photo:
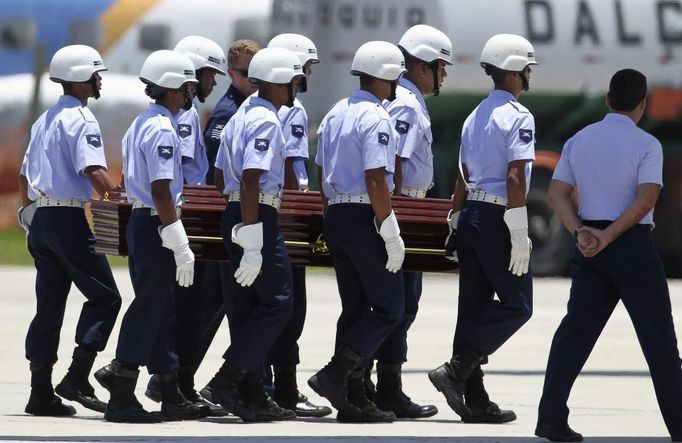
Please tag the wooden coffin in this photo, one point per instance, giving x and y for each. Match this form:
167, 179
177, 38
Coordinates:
422, 223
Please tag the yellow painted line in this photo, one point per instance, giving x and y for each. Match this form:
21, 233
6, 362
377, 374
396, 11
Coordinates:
120, 17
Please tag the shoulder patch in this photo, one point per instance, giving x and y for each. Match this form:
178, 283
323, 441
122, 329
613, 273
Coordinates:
87, 114
262, 144
165, 151
184, 130
402, 126
526, 135
216, 131
383, 138
94, 140
297, 131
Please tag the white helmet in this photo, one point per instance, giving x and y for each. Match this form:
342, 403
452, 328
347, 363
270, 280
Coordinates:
204, 53
274, 65
75, 63
299, 44
382, 60
167, 69
427, 44
508, 52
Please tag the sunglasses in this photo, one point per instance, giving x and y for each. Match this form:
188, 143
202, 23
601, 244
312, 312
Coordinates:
242, 72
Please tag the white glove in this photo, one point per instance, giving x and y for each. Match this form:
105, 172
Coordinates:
174, 238
25, 215
517, 222
250, 238
395, 248
451, 239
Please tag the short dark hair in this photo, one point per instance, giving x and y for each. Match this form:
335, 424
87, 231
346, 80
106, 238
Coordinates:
627, 89
495, 73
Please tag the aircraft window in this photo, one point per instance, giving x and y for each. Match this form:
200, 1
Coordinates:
153, 37
84, 32
17, 34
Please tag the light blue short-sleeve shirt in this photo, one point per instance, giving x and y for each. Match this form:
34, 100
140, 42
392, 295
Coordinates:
500, 130
413, 126
194, 159
295, 128
65, 140
151, 152
253, 139
356, 135
606, 162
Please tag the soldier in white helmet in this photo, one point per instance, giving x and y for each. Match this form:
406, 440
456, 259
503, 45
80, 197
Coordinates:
284, 355
190, 303
356, 156
250, 173
427, 52
489, 229
158, 248
64, 162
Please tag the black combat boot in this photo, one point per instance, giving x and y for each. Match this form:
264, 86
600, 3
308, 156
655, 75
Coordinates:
225, 391
450, 378
287, 395
358, 397
186, 385
370, 387
477, 400
75, 385
390, 395
264, 408
123, 406
174, 406
331, 382
42, 401
559, 433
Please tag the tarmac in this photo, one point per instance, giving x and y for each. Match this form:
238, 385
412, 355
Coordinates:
612, 401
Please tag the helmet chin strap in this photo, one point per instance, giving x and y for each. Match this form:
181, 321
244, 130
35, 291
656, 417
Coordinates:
303, 84
525, 84
290, 90
95, 89
200, 87
434, 69
394, 87
188, 97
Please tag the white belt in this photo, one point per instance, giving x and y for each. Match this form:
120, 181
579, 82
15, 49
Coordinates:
71, 202
347, 198
480, 195
413, 192
266, 199
152, 210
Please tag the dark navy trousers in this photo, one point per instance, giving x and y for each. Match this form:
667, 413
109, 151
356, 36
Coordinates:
372, 298
627, 270
483, 247
394, 348
146, 336
261, 311
200, 309
63, 249
285, 351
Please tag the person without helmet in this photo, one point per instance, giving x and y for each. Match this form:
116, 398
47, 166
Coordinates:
209, 60
250, 172
218, 280
64, 162
284, 355
355, 157
489, 229
427, 52
158, 247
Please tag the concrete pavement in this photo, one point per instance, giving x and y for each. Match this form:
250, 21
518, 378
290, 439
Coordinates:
613, 401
